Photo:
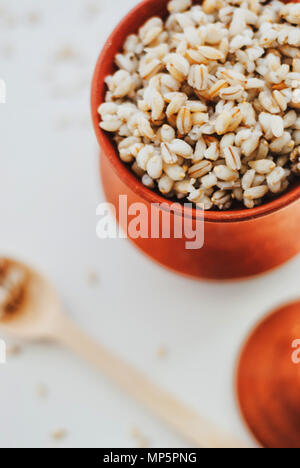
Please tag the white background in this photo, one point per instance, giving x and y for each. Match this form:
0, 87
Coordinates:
49, 190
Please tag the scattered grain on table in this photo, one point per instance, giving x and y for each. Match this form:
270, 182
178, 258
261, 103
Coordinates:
59, 434
162, 352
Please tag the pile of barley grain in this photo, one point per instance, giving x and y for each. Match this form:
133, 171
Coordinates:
206, 105
12, 285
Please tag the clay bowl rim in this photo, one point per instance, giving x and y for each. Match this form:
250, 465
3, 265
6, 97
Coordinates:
127, 176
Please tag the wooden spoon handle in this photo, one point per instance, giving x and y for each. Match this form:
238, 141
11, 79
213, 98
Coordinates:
185, 421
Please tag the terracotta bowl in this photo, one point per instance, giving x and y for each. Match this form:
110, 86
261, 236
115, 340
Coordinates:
238, 243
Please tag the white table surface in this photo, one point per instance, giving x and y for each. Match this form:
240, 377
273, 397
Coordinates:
49, 190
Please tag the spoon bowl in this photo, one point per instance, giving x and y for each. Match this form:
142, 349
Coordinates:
37, 315
268, 379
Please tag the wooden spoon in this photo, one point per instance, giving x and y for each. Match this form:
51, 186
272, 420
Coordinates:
268, 379
41, 317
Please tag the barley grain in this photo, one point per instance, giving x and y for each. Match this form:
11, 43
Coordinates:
176, 6
198, 77
256, 192
232, 93
174, 171
232, 157
165, 184
168, 155
225, 173
146, 153
200, 169
262, 166
248, 179
181, 148
211, 53
155, 167
184, 121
